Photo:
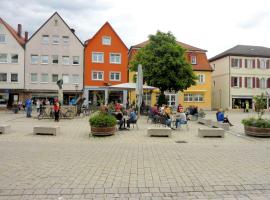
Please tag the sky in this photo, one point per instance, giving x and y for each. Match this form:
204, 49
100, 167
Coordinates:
213, 25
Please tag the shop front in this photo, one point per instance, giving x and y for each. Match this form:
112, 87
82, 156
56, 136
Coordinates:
10, 97
239, 102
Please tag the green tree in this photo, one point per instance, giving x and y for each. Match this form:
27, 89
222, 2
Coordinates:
260, 104
164, 64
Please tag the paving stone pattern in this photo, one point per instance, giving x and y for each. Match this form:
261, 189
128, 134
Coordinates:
130, 165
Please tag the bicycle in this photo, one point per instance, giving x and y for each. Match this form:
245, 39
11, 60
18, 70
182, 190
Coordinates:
43, 114
68, 114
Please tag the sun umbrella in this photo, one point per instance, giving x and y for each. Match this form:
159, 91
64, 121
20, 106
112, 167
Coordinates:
139, 87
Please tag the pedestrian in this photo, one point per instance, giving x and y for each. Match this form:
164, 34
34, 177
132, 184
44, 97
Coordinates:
247, 106
56, 109
28, 105
38, 106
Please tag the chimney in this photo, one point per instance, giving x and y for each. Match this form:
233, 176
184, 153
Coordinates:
25, 36
72, 30
19, 31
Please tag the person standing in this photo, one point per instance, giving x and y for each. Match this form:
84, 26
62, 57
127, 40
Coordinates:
132, 118
28, 105
38, 106
56, 109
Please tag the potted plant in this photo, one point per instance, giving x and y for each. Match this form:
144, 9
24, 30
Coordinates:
258, 126
102, 124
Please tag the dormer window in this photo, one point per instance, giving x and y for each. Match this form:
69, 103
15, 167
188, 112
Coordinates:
106, 40
193, 60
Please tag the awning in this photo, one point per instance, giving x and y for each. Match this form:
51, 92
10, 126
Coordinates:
130, 86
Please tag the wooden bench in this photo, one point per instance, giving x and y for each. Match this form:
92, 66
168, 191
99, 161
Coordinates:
225, 126
159, 131
46, 130
4, 128
205, 121
211, 132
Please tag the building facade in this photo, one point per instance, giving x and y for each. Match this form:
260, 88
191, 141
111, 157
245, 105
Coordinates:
197, 95
106, 63
54, 52
11, 64
240, 73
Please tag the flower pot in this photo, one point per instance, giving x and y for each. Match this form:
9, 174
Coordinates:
103, 131
257, 132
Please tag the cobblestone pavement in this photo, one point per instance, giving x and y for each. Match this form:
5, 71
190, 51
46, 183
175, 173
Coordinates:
130, 165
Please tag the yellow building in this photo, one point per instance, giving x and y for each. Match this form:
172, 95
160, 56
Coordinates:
197, 95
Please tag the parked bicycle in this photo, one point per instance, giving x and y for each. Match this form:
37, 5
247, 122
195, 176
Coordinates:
68, 113
46, 113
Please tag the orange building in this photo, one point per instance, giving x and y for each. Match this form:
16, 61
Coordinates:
106, 64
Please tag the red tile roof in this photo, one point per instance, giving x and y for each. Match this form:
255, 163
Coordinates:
20, 40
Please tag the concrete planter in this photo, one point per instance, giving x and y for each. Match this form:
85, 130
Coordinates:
103, 131
257, 132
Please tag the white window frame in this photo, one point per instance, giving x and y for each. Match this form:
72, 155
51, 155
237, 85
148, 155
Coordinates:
13, 54
65, 39
3, 38
6, 78
11, 77
114, 61
6, 60
249, 82
238, 82
198, 97
37, 60
263, 83
77, 79
98, 60
97, 79
238, 63
31, 77
57, 78
74, 59
42, 59
193, 60
47, 40
201, 78
44, 75
57, 60
55, 39
65, 58
108, 38
249, 63
64, 81
188, 97
114, 73
263, 62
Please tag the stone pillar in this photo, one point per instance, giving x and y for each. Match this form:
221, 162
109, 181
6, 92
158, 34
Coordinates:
106, 96
124, 98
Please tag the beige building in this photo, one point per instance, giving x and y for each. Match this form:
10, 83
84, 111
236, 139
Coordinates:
54, 52
11, 64
240, 73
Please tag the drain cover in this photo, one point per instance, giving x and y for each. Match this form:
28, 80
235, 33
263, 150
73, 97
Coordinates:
180, 141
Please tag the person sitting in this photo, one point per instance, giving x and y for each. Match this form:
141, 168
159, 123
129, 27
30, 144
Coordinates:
119, 116
155, 113
132, 118
167, 114
221, 118
181, 118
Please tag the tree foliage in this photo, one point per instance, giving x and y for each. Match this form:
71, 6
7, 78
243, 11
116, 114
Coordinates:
260, 104
164, 64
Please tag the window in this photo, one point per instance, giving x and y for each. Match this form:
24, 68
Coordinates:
65, 40
188, 97
193, 60
34, 78
97, 75
55, 59
44, 59
235, 81
55, 39
3, 38
263, 63
249, 82
75, 60
3, 77
34, 59
97, 57
44, 78
236, 62
14, 77
75, 78
106, 40
65, 60
201, 78
115, 58
262, 83
65, 78
54, 78
45, 39
14, 58
249, 63
198, 97
3, 58
115, 76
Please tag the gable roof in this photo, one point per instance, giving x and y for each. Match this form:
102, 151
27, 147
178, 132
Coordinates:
106, 24
14, 33
184, 45
244, 50
55, 13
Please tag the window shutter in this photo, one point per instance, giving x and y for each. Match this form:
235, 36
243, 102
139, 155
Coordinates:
240, 82
267, 64
245, 63
254, 63
258, 64
253, 82
246, 82
258, 82
232, 81
268, 83
240, 63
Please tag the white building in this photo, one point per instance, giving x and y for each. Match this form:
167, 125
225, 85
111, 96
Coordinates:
240, 73
54, 52
11, 64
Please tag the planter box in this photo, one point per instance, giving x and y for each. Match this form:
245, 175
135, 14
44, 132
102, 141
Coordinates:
103, 131
257, 132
